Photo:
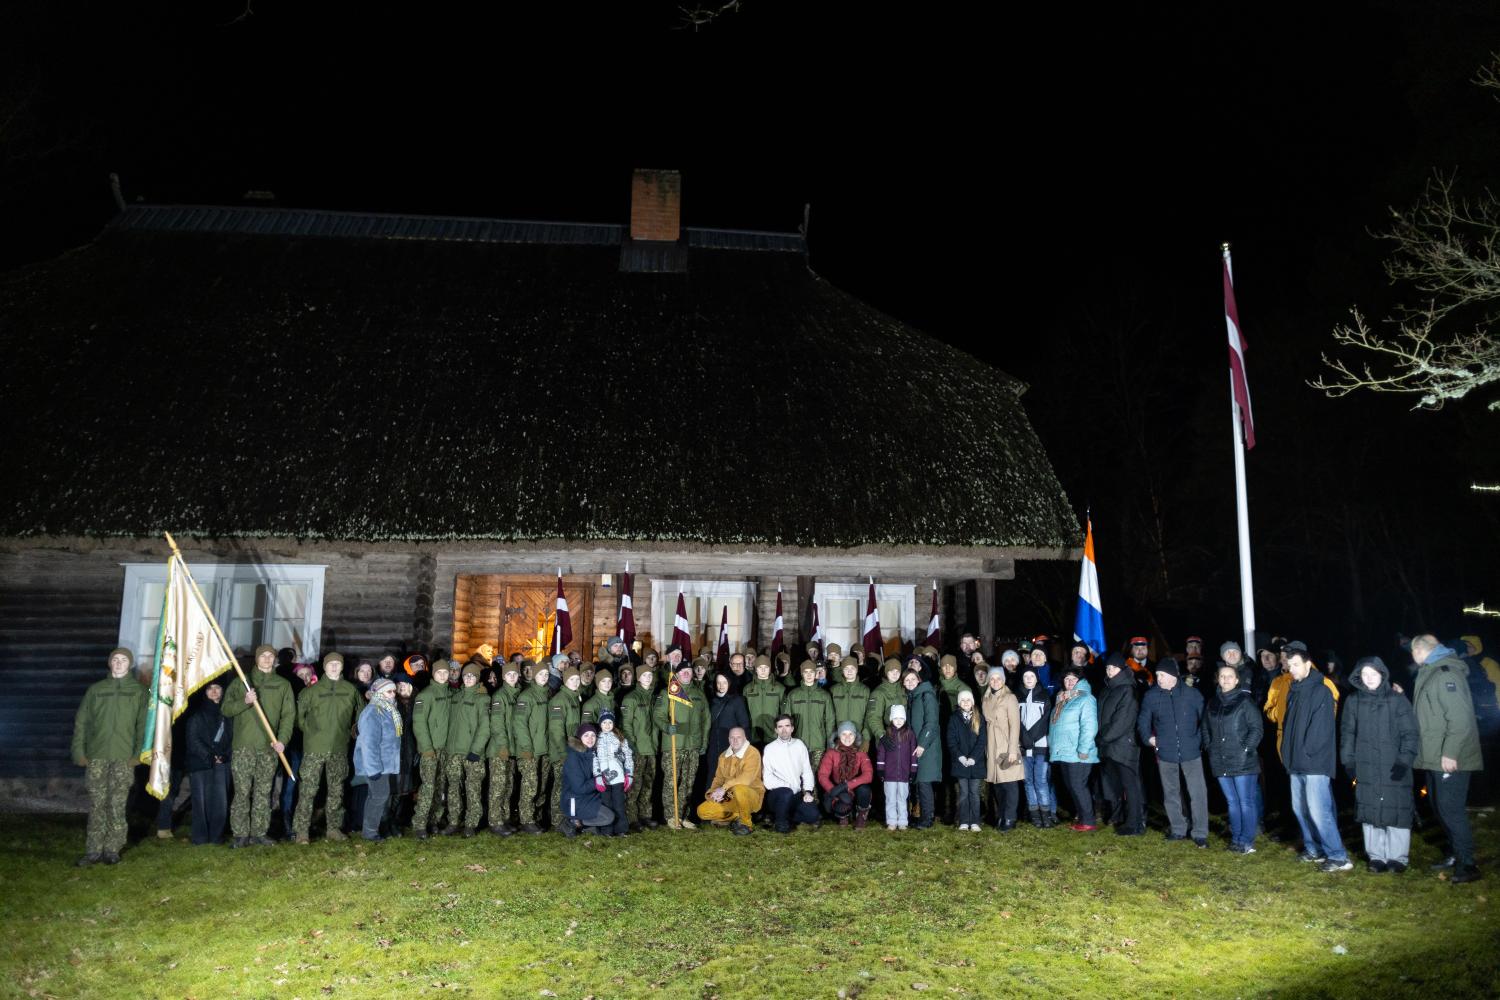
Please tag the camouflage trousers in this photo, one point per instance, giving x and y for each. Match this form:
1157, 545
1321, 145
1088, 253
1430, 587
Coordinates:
431, 772
501, 785
254, 774
638, 799
535, 774
815, 757
687, 770
557, 789
465, 780
108, 782
310, 779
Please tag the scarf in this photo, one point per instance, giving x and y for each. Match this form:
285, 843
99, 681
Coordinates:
845, 763
389, 708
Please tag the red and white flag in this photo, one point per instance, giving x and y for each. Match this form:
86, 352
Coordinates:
1237, 348
680, 637
779, 639
721, 649
934, 624
562, 634
872, 641
817, 631
626, 619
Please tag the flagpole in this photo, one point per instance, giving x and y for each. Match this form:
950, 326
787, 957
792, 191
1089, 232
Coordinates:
259, 712
1242, 505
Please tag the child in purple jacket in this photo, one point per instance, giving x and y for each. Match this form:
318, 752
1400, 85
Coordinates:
896, 762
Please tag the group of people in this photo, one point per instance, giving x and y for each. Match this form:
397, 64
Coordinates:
612, 745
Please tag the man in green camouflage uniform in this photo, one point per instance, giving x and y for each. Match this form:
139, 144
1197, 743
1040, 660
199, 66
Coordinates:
468, 732
500, 747
429, 722
811, 709
108, 733
529, 730
639, 729
690, 732
253, 759
326, 712
564, 713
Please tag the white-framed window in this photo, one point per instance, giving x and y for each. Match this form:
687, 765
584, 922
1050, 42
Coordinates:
841, 612
705, 601
276, 603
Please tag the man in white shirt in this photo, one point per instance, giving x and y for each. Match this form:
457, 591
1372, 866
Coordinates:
791, 788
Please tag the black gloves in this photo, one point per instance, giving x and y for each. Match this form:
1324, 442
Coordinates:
472, 758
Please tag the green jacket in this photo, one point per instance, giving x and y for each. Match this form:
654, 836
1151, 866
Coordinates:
111, 721
636, 723
850, 703
948, 690
1445, 716
598, 703
468, 727
564, 713
879, 714
503, 720
325, 713
275, 695
811, 708
922, 716
430, 710
692, 721
529, 723
763, 698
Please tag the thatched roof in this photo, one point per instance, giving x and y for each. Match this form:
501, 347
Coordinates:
255, 372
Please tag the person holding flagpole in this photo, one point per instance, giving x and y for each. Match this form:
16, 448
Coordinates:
253, 755
682, 721
108, 731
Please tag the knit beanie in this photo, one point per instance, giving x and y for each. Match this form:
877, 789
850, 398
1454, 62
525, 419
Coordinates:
606, 715
333, 656
584, 727
949, 660
603, 675
472, 670
1168, 666
848, 727
263, 648
121, 651
1010, 656
570, 671
898, 712
1231, 644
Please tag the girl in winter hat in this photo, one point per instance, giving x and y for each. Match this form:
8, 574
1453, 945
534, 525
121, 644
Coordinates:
896, 764
614, 770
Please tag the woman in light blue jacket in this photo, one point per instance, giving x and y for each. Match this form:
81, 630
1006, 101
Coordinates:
1075, 723
377, 752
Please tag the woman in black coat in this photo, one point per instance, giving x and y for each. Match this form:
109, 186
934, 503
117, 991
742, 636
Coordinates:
208, 736
967, 741
1234, 726
1378, 745
726, 710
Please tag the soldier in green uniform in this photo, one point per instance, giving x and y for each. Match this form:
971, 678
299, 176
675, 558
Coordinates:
108, 733
603, 698
851, 699
529, 730
252, 759
639, 729
691, 737
811, 709
325, 713
468, 732
763, 698
429, 721
501, 746
564, 713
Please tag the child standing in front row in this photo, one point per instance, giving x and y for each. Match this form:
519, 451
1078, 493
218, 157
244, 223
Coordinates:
896, 763
614, 770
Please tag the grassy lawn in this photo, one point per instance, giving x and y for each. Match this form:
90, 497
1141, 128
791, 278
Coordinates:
817, 914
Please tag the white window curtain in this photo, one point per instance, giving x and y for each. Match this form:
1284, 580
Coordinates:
705, 601
841, 611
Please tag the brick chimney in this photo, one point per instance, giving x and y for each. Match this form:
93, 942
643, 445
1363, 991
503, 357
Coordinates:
656, 205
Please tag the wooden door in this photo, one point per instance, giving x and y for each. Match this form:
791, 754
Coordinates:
527, 608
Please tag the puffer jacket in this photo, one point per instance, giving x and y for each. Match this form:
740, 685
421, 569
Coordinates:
1175, 718
111, 720
1074, 727
1379, 732
763, 700
1235, 728
1118, 712
922, 716
1036, 706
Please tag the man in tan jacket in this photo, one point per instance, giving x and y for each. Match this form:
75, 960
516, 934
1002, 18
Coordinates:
737, 789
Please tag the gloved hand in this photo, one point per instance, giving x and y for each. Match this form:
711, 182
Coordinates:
1399, 771
628, 782
599, 784
671, 730
1010, 762
472, 758
839, 790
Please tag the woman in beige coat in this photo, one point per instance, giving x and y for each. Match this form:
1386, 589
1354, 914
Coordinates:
1003, 768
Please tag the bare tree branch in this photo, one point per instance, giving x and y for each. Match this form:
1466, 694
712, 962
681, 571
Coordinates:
699, 15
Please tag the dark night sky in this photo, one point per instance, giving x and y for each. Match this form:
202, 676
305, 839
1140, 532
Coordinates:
994, 176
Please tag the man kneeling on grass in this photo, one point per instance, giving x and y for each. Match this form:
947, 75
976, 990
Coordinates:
737, 789
791, 789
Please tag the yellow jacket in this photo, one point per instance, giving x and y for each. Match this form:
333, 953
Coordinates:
741, 770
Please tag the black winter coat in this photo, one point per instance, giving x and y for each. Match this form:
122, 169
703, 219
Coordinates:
964, 742
1175, 718
1309, 731
1037, 731
203, 725
1379, 731
1117, 717
723, 715
1235, 727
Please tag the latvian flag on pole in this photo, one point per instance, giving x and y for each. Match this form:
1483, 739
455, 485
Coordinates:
934, 623
626, 619
721, 652
562, 633
1237, 348
817, 631
680, 637
1088, 624
872, 643
779, 639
